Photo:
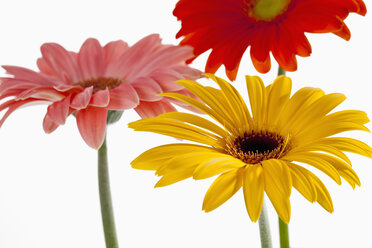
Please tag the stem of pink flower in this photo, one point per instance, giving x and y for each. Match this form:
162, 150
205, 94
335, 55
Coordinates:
283, 227
107, 211
264, 226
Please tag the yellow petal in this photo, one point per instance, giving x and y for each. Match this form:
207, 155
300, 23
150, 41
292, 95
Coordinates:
343, 169
202, 107
195, 120
209, 99
316, 146
312, 159
174, 177
277, 172
216, 165
180, 162
222, 189
253, 188
234, 100
348, 145
153, 158
177, 129
278, 199
322, 194
257, 99
277, 99
315, 111
302, 183
300, 101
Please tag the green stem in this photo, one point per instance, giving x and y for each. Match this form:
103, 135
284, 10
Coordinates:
283, 227
284, 234
264, 226
105, 198
281, 71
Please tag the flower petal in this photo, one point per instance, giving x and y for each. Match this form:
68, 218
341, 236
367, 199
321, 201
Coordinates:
92, 125
147, 89
222, 189
91, 59
123, 97
153, 109
253, 189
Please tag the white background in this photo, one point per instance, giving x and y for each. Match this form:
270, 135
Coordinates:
48, 183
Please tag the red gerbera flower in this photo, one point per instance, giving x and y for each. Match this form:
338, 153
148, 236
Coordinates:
228, 27
98, 79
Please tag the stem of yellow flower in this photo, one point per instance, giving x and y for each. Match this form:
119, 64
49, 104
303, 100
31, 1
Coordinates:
283, 227
105, 198
284, 234
264, 226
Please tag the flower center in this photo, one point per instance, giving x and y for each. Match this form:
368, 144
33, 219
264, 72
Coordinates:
101, 83
266, 10
253, 147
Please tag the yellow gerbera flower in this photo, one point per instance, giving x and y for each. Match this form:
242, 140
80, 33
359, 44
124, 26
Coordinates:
258, 152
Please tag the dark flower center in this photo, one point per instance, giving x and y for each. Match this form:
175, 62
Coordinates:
101, 83
257, 143
253, 147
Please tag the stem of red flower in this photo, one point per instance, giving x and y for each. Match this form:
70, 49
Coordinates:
264, 226
281, 71
107, 211
283, 227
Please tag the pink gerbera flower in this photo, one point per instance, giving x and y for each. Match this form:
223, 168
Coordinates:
98, 79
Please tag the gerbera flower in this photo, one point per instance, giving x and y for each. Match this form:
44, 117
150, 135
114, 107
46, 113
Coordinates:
260, 152
98, 79
228, 27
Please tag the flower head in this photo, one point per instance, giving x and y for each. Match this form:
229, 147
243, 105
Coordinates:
98, 79
259, 152
229, 27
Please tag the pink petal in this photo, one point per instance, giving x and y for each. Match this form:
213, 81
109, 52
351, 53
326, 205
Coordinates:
44, 67
59, 111
147, 89
113, 50
131, 59
153, 109
82, 99
164, 56
61, 61
187, 72
166, 80
68, 87
123, 97
92, 125
42, 93
91, 59
49, 125
12, 105
101, 98
28, 75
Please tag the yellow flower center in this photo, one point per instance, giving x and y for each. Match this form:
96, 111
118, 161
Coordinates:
253, 147
101, 83
266, 10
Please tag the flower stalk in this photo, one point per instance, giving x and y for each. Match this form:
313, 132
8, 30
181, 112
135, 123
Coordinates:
283, 227
284, 234
263, 223
107, 211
